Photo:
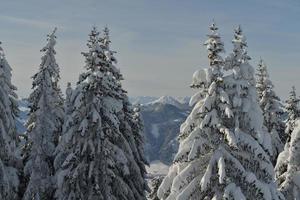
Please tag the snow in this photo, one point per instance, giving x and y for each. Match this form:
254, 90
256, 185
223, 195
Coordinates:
142, 99
102, 140
228, 139
167, 100
223, 105
201, 77
44, 124
296, 179
156, 168
155, 131
221, 170
234, 191
287, 167
24, 109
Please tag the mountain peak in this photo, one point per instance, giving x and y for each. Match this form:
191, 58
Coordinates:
167, 100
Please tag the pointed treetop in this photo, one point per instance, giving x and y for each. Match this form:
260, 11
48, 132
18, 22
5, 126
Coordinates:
293, 95
106, 39
94, 32
260, 62
238, 30
214, 46
240, 45
50, 42
293, 100
263, 81
106, 31
239, 37
293, 92
262, 68
52, 36
1, 51
292, 107
93, 40
213, 27
262, 75
53, 32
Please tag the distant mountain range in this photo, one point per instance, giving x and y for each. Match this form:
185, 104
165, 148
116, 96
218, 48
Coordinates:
23, 115
162, 118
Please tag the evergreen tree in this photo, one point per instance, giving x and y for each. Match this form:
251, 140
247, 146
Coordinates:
223, 151
201, 132
132, 125
254, 142
293, 112
288, 166
138, 130
272, 110
9, 159
43, 126
97, 155
261, 74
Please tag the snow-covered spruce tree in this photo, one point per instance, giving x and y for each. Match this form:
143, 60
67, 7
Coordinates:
272, 110
132, 125
288, 166
254, 143
223, 149
292, 109
96, 157
10, 162
261, 75
43, 126
201, 133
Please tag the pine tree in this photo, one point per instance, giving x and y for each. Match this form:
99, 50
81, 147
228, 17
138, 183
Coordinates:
97, 157
201, 132
272, 110
254, 146
132, 125
288, 166
138, 129
43, 126
9, 159
223, 151
260, 81
293, 112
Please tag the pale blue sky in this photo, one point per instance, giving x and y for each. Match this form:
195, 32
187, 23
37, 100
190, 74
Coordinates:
159, 43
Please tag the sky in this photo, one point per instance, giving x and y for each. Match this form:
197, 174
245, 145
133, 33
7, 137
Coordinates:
159, 44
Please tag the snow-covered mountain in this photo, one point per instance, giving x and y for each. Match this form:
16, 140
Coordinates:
171, 101
23, 115
162, 118
142, 99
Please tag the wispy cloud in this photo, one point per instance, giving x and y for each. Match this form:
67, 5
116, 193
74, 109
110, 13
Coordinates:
29, 22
